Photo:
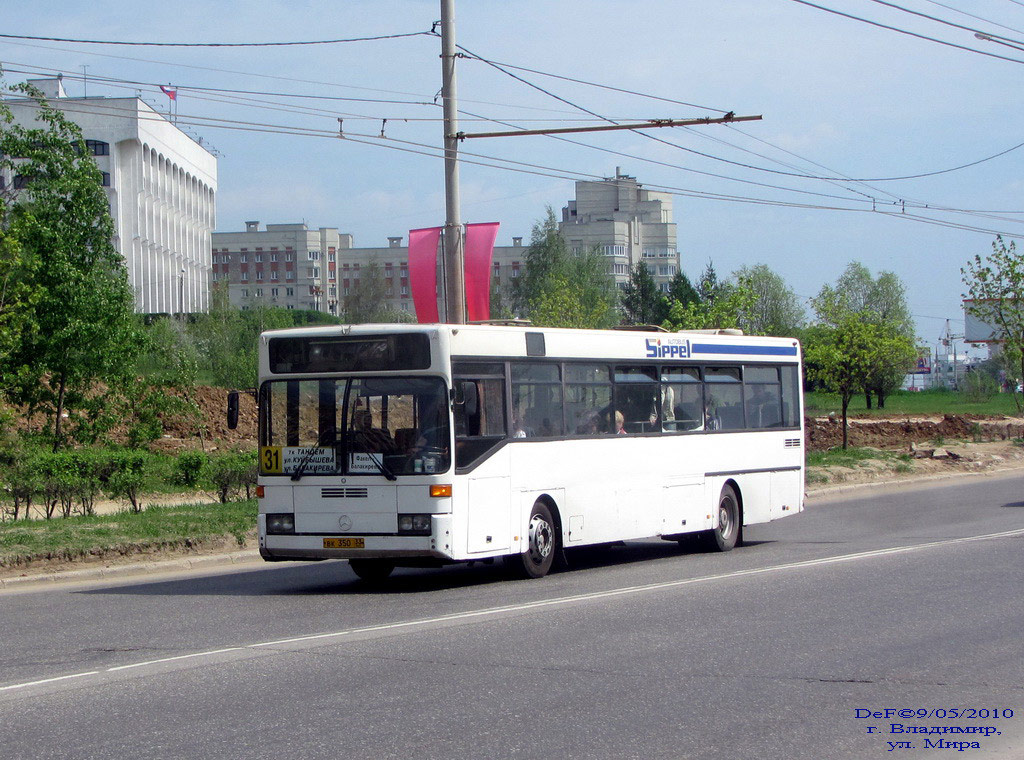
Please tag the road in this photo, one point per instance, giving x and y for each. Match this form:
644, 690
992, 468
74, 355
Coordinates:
908, 598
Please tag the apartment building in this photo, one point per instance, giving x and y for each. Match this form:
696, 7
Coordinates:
162, 187
294, 267
626, 223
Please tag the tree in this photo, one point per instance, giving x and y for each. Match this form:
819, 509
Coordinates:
709, 287
995, 287
227, 349
721, 311
840, 357
563, 289
849, 349
76, 302
883, 302
681, 290
642, 302
162, 385
775, 310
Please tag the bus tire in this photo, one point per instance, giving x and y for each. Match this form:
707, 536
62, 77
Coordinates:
542, 545
725, 536
371, 570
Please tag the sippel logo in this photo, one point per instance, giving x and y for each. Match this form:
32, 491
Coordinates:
670, 348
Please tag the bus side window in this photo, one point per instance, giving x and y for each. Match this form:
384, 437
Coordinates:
537, 393
682, 399
791, 396
762, 395
479, 417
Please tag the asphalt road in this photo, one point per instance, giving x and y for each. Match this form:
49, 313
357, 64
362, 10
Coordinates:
908, 599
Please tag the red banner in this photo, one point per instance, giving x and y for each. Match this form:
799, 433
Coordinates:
423, 272
479, 253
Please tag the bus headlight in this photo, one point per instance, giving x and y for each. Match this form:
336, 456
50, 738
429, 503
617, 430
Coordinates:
414, 525
283, 523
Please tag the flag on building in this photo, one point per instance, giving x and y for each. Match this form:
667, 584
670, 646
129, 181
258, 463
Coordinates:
169, 92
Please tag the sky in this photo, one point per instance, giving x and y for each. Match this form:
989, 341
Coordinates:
842, 99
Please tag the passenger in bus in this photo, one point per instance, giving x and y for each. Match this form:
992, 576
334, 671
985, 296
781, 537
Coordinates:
366, 437
518, 430
620, 422
547, 427
711, 419
668, 407
589, 424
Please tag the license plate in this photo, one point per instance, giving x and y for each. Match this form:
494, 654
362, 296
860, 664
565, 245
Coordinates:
344, 543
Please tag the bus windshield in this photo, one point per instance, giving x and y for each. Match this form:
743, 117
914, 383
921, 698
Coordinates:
384, 426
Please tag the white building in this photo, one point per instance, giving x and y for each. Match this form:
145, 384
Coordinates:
162, 186
626, 223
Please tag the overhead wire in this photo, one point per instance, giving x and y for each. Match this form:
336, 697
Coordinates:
919, 14
263, 105
873, 200
194, 89
325, 133
215, 44
906, 32
273, 76
540, 170
971, 15
802, 175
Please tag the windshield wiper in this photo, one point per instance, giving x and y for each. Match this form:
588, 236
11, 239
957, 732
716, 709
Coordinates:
384, 469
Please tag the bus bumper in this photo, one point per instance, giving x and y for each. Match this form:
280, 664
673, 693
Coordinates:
275, 548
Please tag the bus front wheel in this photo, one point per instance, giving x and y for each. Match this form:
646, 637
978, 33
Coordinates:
542, 545
371, 570
724, 537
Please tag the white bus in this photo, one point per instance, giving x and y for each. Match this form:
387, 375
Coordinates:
421, 445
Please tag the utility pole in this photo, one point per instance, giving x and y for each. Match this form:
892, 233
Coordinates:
453, 253
454, 285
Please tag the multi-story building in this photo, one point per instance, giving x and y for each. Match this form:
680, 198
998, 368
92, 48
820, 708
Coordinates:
626, 223
291, 266
294, 267
286, 265
162, 187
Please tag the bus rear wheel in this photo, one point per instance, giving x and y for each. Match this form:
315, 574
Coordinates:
542, 545
725, 536
371, 570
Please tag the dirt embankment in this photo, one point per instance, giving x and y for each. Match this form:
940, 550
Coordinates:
212, 425
827, 432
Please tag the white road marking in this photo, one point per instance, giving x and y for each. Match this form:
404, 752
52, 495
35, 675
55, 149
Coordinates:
559, 601
49, 680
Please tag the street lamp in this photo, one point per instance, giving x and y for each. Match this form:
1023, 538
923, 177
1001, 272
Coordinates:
181, 295
989, 38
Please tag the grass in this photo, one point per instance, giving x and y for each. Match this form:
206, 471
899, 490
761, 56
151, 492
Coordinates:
930, 403
124, 532
851, 457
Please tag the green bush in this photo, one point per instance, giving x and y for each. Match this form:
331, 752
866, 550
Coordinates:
191, 468
70, 477
979, 387
231, 472
130, 473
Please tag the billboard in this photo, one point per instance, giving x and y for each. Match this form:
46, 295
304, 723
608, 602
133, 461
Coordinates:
923, 365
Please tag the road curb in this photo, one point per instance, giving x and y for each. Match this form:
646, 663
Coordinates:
204, 561
829, 490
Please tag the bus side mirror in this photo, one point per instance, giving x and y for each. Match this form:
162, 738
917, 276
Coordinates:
232, 410
458, 393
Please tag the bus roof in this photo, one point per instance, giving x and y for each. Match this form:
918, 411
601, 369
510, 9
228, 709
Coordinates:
508, 341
